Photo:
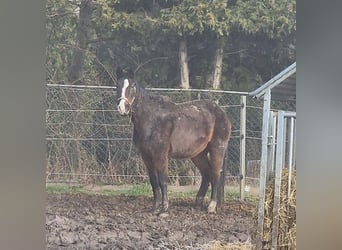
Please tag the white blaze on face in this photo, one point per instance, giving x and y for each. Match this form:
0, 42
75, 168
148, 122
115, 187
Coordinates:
121, 106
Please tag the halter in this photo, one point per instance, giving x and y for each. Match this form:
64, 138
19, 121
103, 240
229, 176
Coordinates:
129, 103
126, 100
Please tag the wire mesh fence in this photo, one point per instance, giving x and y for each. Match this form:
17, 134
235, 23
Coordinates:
88, 141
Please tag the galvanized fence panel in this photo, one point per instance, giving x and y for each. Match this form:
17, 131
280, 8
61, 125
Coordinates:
280, 154
284, 159
88, 141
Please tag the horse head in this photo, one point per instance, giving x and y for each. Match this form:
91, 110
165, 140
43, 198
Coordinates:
125, 90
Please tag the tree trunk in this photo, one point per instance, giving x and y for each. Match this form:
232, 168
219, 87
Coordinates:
79, 51
183, 64
218, 65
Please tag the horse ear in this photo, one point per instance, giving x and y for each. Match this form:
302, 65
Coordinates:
130, 73
119, 72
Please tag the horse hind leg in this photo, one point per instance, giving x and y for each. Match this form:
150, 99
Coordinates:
217, 152
202, 163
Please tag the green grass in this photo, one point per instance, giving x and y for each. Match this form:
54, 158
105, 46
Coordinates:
136, 190
139, 190
173, 194
63, 188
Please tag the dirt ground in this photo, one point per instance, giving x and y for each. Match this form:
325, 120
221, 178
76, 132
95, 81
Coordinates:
93, 221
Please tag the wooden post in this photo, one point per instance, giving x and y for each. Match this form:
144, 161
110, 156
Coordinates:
242, 147
263, 167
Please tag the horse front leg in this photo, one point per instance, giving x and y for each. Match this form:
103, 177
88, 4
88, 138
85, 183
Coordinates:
202, 191
154, 182
156, 192
162, 178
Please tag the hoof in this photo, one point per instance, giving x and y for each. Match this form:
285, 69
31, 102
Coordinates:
212, 207
155, 211
199, 201
164, 208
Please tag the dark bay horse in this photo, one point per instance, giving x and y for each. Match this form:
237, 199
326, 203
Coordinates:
197, 130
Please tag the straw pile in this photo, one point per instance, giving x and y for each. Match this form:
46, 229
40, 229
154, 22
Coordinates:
216, 245
287, 214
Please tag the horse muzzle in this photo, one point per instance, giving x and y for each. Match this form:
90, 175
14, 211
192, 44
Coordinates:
124, 107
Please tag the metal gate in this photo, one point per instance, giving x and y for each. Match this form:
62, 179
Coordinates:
278, 153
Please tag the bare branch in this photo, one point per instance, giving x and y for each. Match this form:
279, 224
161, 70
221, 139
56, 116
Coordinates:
235, 52
105, 68
103, 39
150, 60
56, 15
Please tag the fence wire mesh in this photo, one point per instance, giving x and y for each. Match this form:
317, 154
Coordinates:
88, 141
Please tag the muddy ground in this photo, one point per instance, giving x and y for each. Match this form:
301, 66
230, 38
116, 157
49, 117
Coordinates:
84, 221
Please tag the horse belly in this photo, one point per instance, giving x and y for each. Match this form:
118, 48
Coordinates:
187, 145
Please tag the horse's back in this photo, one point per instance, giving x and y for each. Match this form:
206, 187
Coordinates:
215, 114
194, 126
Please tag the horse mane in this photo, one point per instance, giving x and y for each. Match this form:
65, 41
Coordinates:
146, 95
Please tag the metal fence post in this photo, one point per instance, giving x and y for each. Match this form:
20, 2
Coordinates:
291, 142
242, 147
284, 141
263, 167
294, 146
271, 144
278, 172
